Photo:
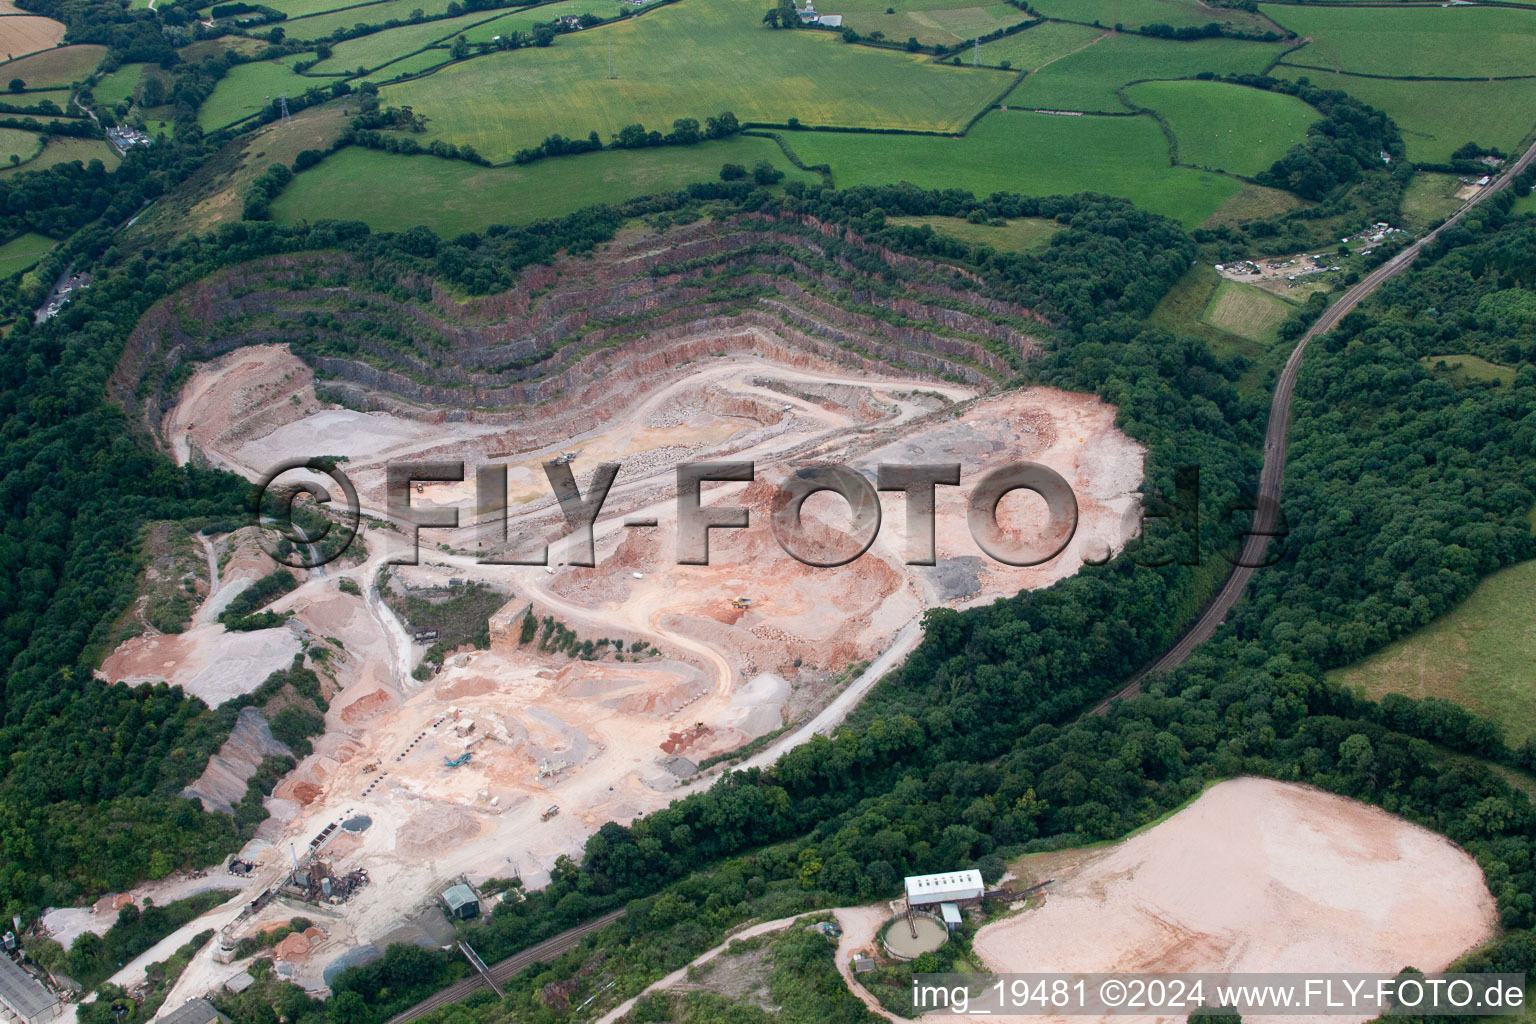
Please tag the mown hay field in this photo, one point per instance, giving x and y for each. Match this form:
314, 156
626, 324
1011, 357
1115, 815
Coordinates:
54, 68
1427, 41
1246, 311
21, 34
1033, 154
931, 22
65, 151
1437, 118
1039, 44
1133, 14
1087, 79
1225, 127
506, 101
452, 197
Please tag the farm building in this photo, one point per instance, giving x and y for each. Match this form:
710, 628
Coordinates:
461, 901
194, 1011
949, 887
23, 998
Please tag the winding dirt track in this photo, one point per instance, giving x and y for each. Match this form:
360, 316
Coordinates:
1273, 474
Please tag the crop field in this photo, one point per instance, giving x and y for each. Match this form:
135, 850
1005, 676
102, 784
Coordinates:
1225, 127
318, 26
54, 68
378, 49
17, 146
248, 88
932, 22
63, 151
523, 20
1479, 655
1087, 80
1422, 41
21, 252
1254, 202
1436, 118
508, 100
22, 34
452, 197
1033, 47
1136, 13
1034, 154
1023, 234
1246, 311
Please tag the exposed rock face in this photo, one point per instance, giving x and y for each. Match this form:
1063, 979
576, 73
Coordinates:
571, 334
224, 781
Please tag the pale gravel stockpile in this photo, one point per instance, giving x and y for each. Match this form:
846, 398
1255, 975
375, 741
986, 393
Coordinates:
1256, 876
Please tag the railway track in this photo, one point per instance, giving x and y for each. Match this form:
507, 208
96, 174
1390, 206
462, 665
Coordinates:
1272, 477
502, 970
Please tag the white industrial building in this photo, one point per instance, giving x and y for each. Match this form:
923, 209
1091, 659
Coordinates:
950, 887
23, 998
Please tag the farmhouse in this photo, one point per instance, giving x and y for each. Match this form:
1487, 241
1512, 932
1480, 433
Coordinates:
23, 998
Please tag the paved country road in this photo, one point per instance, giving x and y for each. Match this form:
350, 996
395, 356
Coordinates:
1273, 473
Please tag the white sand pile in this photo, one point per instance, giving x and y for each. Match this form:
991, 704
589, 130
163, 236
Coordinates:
1257, 876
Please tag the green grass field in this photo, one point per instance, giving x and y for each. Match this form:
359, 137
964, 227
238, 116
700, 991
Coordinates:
1135, 13
300, 8
1025, 234
113, 88
523, 20
63, 151
1436, 118
1479, 655
1254, 202
1429, 198
17, 146
1048, 41
1525, 204
1033, 154
1087, 80
932, 22
1471, 367
247, 88
1226, 127
21, 252
1246, 311
1428, 41
505, 101
452, 197
318, 26
378, 49
54, 68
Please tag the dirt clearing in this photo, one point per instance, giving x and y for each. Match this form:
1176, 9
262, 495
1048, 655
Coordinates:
1254, 876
